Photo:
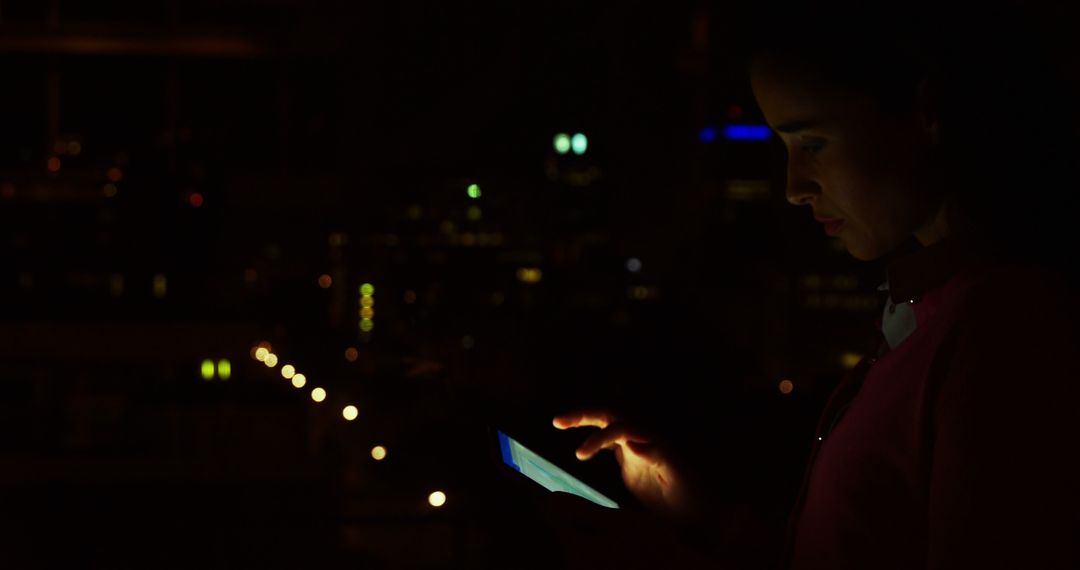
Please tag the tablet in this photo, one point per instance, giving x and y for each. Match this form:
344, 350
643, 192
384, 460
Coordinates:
547, 474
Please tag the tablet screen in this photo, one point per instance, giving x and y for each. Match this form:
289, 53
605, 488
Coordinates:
545, 473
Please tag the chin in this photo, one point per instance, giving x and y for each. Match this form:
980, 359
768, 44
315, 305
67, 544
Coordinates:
864, 251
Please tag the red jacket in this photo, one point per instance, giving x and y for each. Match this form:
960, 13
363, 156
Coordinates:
956, 446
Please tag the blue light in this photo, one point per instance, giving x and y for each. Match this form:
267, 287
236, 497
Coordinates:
707, 135
747, 132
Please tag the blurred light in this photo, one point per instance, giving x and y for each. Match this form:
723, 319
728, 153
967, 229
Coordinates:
350, 412
747, 190
378, 453
271, 360
786, 386
325, 281
224, 369
747, 132
734, 112
633, 265
250, 275
410, 297
337, 239
261, 354
299, 380
7, 190
367, 313
288, 371
53, 164
196, 200
437, 499
414, 212
367, 301
265, 344
59, 147
529, 275
497, 298
580, 143
116, 284
208, 369
562, 143
74, 148
641, 292
318, 394
849, 359
160, 285
114, 174
474, 191
467, 342
367, 289
351, 354
109, 190
474, 213
707, 134
468, 239
366, 325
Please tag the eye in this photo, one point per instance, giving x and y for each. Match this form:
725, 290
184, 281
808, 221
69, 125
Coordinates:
812, 147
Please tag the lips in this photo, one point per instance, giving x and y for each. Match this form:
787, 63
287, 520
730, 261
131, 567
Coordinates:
832, 227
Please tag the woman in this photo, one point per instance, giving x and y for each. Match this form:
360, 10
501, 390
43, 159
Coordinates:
952, 447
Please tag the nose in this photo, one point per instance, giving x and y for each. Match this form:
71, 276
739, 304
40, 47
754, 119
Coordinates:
801, 189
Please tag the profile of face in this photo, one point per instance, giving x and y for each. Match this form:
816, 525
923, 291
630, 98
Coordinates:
867, 175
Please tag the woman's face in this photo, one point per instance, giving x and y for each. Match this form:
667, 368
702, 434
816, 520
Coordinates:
850, 162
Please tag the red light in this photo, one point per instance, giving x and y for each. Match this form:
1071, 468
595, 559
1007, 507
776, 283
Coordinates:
54, 164
114, 174
734, 112
196, 199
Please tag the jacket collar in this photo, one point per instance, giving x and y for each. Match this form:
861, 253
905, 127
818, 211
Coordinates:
912, 275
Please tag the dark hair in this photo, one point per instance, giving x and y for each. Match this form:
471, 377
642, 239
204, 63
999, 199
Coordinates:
1007, 121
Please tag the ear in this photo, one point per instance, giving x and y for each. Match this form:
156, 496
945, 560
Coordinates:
928, 105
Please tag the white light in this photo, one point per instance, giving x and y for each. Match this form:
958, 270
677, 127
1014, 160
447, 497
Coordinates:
633, 265
271, 360
318, 394
350, 412
287, 371
299, 380
378, 453
437, 499
260, 354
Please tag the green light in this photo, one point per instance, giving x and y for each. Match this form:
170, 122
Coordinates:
208, 369
474, 191
562, 143
366, 325
224, 369
474, 213
367, 289
579, 143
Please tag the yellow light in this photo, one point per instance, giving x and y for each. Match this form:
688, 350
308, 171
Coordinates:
299, 380
849, 359
261, 354
74, 147
287, 371
160, 285
271, 360
318, 394
378, 453
437, 499
366, 325
529, 275
367, 289
109, 190
786, 386
224, 369
474, 213
208, 369
350, 412
351, 354
367, 301
367, 313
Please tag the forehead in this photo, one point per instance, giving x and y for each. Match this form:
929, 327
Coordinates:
788, 96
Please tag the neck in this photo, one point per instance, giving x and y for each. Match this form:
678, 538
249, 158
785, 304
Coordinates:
936, 230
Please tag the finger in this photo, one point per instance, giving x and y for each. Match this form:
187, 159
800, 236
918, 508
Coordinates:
616, 434
647, 451
600, 418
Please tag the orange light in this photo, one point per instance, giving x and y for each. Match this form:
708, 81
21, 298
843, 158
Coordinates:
195, 200
325, 281
410, 297
53, 164
250, 275
351, 354
786, 386
114, 174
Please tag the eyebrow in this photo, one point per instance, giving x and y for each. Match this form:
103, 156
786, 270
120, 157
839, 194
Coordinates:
798, 125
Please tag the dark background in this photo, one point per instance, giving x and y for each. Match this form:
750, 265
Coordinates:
175, 177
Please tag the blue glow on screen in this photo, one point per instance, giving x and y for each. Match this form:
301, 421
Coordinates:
707, 134
747, 132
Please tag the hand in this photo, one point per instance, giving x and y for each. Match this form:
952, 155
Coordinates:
646, 469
